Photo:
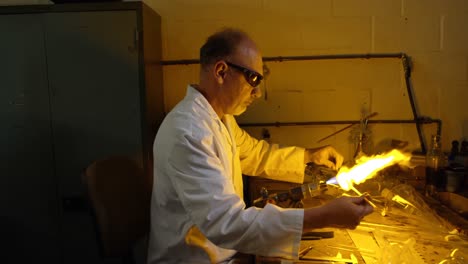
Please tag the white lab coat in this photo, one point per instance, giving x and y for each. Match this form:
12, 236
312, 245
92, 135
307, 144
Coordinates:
198, 165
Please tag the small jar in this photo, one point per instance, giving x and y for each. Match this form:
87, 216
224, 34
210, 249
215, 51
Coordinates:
454, 180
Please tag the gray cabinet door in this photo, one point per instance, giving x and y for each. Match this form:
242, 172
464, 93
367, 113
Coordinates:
93, 75
28, 192
95, 92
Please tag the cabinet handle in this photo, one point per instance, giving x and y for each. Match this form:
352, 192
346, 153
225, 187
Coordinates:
18, 100
136, 37
17, 103
52, 91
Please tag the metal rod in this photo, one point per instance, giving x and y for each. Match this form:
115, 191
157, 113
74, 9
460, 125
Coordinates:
302, 58
407, 70
338, 122
346, 127
180, 62
336, 56
351, 248
305, 250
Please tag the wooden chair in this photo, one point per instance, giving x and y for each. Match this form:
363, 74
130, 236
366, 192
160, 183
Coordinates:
119, 193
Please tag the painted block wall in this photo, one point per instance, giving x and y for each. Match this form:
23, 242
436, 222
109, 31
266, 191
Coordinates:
431, 32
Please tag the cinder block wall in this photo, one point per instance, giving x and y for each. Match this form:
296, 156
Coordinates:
432, 32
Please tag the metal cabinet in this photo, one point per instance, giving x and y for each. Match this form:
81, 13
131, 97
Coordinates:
28, 193
78, 82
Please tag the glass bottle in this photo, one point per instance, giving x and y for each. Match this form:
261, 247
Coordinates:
434, 166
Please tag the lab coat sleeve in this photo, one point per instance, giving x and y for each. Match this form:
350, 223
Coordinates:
258, 158
200, 181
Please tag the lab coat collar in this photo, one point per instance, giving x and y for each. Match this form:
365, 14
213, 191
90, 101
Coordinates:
196, 96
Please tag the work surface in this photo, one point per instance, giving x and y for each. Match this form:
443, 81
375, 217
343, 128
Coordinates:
402, 229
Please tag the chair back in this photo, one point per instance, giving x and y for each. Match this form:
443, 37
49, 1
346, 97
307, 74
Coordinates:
119, 192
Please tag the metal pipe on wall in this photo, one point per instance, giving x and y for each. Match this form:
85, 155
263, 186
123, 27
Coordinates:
418, 121
302, 58
340, 122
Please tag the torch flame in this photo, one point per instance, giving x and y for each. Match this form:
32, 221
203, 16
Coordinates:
367, 167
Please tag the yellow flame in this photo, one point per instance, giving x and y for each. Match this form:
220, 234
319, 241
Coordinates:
367, 167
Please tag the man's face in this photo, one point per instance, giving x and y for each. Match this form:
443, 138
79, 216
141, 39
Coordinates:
243, 66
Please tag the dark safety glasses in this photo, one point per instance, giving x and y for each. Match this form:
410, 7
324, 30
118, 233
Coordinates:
252, 77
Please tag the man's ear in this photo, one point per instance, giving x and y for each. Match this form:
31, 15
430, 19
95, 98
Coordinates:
220, 69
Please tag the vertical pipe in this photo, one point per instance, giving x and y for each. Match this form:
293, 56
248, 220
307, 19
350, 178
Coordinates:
407, 70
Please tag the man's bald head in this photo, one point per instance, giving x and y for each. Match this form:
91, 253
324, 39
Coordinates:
221, 45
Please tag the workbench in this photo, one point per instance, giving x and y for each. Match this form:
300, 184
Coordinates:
397, 234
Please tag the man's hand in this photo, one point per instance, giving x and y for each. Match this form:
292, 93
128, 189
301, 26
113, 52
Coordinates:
343, 212
347, 212
326, 155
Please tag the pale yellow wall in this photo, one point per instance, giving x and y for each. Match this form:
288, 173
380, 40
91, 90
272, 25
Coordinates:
432, 32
